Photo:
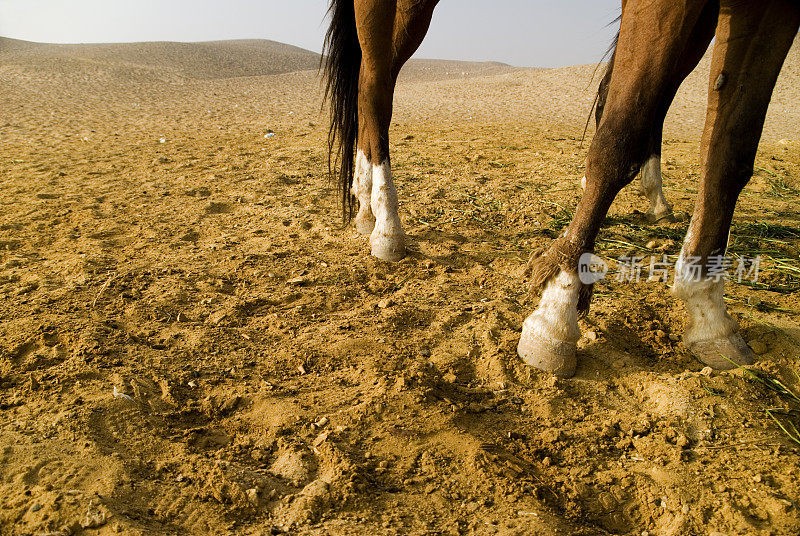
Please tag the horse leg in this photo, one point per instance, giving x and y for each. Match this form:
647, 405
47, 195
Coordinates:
403, 27
752, 41
375, 25
653, 35
652, 186
362, 190
696, 46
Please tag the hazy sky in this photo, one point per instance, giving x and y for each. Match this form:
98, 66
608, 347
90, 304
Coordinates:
540, 33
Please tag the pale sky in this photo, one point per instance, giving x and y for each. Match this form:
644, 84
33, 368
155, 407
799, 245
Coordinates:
536, 33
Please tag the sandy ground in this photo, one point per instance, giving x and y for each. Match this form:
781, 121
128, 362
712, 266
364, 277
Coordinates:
190, 343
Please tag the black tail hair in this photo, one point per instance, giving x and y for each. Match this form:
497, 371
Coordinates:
602, 89
341, 61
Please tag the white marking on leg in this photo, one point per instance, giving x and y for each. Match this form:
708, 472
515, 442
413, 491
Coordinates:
362, 189
583, 183
712, 335
652, 188
550, 334
387, 239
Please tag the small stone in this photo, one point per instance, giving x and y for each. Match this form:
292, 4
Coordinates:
652, 244
322, 423
666, 245
182, 317
192, 384
707, 371
298, 281
252, 496
757, 478
321, 438
217, 317
36, 507
591, 335
757, 346
385, 303
607, 501
230, 403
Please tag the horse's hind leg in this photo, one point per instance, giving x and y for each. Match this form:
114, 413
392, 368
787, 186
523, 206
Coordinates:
362, 190
373, 181
651, 180
389, 33
752, 42
651, 185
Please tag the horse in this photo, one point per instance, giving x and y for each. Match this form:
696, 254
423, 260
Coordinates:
366, 45
659, 43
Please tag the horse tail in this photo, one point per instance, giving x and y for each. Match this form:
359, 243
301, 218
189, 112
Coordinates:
602, 90
341, 61
599, 103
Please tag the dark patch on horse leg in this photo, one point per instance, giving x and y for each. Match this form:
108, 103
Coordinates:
542, 267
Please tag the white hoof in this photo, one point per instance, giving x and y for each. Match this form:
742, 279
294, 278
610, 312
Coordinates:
550, 334
712, 335
550, 355
388, 247
365, 222
724, 353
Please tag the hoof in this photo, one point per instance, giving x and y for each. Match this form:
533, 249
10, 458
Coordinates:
715, 351
662, 217
389, 248
365, 224
553, 356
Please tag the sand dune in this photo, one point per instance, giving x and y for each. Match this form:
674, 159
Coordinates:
206, 60
202, 60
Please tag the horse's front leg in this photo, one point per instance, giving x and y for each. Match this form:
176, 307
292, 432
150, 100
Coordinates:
642, 69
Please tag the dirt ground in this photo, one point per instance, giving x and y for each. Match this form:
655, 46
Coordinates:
191, 344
